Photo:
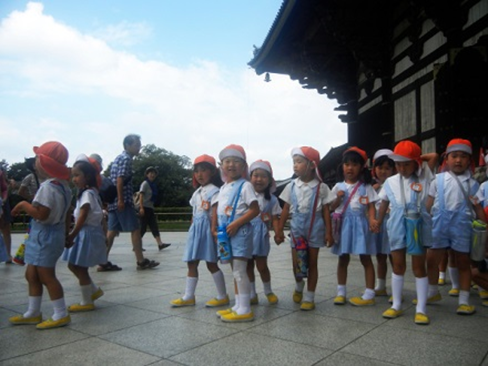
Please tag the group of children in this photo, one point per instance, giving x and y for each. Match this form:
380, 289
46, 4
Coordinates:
398, 207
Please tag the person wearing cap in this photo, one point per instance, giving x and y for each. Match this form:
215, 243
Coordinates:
307, 200
85, 243
237, 205
454, 203
121, 214
49, 210
353, 211
415, 173
149, 192
200, 244
383, 168
264, 185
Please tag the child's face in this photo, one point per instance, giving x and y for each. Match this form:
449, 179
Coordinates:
302, 167
383, 171
151, 176
233, 167
458, 162
406, 168
260, 180
351, 171
202, 174
78, 178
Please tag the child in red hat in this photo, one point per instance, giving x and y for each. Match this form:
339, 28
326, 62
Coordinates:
454, 204
49, 210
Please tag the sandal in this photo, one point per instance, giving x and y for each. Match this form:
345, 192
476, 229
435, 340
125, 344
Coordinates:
162, 246
108, 267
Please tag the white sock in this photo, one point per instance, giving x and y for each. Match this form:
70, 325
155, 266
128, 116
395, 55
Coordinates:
432, 290
341, 290
299, 286
463, 297
243, 286
60, 310
309, 296
219, 281
253, 289
422, 285
381, 284
442, 275
236, 305
94, 287
267, 288
454, 276
191, 285
369, 294
34, 308
86, 295
244, 304
397, 290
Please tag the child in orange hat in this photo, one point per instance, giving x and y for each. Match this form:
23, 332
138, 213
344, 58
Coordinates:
405, 194
49, 210
200, 244
454, 204
307, 200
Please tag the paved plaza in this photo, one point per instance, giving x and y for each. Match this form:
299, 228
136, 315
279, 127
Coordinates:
135, 325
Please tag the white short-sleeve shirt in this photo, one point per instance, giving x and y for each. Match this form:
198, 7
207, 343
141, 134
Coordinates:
355, 202
304, 192
201, 195
95, 214
247, 196
263, 203
53, 198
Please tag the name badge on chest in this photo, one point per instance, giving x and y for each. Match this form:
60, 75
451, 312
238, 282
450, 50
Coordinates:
417, 187
206, 205
363, 200
228, 210
266, 217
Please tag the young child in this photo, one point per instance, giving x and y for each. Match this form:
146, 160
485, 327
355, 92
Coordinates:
413, 178
307, 201
236, 199
264, 185
46, 241
454, 204
200, 244
86, 243
483, 291
355, 202
383, 168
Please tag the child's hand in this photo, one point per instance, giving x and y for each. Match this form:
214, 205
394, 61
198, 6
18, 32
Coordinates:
19, 207
69, 241
329, 240
374, 226
232, 229
279, 238
340, 194
120, 205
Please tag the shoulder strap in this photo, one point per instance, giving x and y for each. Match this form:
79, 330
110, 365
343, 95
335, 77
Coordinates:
314, 209
350, 196
465, 194
235, 202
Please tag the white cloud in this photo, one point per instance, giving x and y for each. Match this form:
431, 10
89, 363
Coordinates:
124, 33
189, 111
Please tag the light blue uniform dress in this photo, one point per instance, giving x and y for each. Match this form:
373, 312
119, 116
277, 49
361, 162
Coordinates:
451, 221
89, 248
241, 242
355, 235
415, 203
381, 239
261, 224
483, 194
47, 238
200, 244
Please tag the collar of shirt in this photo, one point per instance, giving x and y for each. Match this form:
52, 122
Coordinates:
463, 177
312, 184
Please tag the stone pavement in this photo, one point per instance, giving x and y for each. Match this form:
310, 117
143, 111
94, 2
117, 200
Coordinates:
134, 324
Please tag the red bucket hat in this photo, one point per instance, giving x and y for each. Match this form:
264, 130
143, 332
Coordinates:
459, 145
358, 151
236, 151
310, 154
405, 151
53, 156
202, 159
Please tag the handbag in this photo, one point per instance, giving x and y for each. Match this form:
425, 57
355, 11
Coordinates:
413, 225
337, 217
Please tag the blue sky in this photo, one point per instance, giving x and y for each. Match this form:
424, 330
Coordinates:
87, 73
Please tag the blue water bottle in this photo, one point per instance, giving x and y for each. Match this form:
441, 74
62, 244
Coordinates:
223, 241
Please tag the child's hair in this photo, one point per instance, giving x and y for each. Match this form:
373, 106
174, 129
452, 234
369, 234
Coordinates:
215, 180
354, 157
382, 159
267, 191
90, 175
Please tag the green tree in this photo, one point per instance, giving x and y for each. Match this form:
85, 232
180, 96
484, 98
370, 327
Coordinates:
18, 171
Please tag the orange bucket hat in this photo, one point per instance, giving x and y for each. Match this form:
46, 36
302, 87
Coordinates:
405, 151
358, 151
266, 166
53, 156
310, 154
202, 159
459, 145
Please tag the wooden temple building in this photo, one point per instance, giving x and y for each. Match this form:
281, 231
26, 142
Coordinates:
402, 69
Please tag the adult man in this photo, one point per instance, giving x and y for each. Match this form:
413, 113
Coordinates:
121, 213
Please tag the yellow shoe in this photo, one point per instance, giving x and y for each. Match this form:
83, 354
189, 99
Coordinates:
78, 308
340, 300
272, 298
97, 294
20, 320
307, 305
50, 323
212, 303
465, 309
359, 301
255, 300
454, 292
422, 319
381, 292
392, 313
441, 282
297, 297
483, 295
236, 318
221, 313
434, 298
484, 303
178, 303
